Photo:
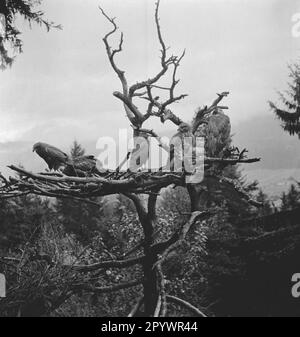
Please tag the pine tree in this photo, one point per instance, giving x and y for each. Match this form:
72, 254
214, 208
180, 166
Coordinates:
10, 10
290, 115
291, 199
284, 202
76, 150
22, 217
267, 208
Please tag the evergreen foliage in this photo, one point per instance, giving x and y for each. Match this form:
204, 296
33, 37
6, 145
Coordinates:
11, 9
290, 114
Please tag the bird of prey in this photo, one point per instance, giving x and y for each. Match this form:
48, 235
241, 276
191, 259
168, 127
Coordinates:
54, 157
81, 166
216, 130
180, 147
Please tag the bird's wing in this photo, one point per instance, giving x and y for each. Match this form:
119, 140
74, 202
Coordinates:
84, 163
56, 153
218, 133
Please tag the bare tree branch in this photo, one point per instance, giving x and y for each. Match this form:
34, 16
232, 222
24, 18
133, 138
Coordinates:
230, 161
186, 305
87, 187
201, 113
158, 138
127, 94
164, 61
172, 97
132, 113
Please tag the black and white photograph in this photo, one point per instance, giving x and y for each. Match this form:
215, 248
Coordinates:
149, 161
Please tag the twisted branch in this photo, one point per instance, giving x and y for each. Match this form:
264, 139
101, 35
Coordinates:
128, 93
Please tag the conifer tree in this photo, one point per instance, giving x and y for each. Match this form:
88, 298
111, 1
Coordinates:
10, 34
289, 115
291, 199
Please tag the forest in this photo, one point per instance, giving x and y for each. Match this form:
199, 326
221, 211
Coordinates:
80, 240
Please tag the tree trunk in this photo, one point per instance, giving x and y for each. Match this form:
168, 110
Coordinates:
151, 291
199, 196
150, 284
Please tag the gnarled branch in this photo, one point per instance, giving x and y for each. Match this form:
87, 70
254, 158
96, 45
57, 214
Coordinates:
128, 93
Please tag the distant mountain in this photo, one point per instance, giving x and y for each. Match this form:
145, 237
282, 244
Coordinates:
264, 138
273, 182
279, 167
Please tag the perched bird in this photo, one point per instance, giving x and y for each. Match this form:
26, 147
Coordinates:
219, 128
82, 166
180, 147
54, 157
215, 129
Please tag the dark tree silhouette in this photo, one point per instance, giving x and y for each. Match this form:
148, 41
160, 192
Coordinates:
289, 115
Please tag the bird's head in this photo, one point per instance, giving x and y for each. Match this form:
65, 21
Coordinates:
184, 127
35, 147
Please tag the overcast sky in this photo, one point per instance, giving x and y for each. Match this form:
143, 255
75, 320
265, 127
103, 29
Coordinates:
61, 87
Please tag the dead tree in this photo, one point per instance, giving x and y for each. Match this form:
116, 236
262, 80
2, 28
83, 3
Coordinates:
134, 184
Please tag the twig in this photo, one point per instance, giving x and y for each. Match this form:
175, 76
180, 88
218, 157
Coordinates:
186, 304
